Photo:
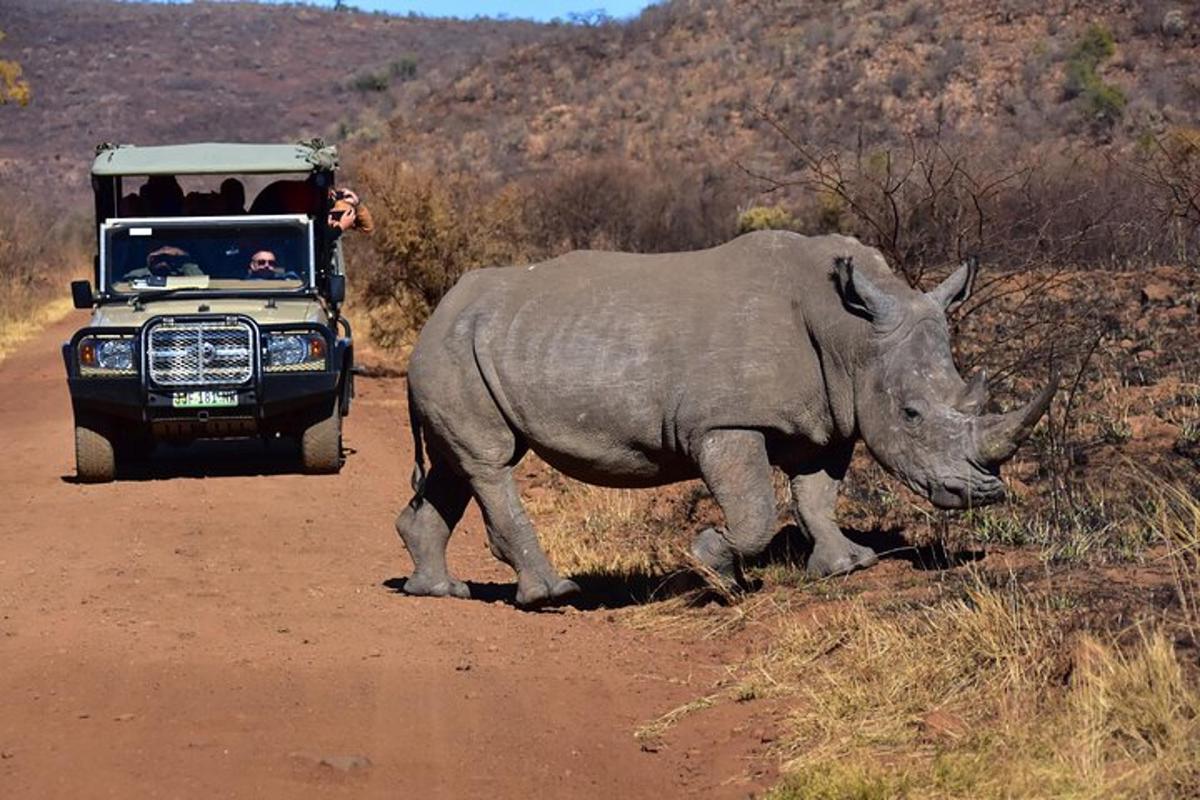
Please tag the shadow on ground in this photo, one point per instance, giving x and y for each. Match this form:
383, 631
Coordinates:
790, 548
214, 459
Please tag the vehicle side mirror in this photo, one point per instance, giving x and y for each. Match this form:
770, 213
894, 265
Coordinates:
337, 289
81, 294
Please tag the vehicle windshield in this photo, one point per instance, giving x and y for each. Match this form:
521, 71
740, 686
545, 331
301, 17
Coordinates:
213, 254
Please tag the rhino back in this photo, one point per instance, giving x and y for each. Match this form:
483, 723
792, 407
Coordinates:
616, 363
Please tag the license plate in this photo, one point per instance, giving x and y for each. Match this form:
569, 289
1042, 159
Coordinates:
204, 399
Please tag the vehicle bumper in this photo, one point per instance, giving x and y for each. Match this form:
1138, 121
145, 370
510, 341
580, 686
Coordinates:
271, 402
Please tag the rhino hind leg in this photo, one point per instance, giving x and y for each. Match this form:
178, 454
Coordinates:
425, 526
736, 470
513, 540
814, 496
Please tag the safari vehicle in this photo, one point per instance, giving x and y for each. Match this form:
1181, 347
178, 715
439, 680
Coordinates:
186, 341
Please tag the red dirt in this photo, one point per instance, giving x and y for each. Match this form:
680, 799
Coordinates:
230, 635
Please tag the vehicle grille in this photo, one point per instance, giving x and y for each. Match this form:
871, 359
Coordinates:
201, 353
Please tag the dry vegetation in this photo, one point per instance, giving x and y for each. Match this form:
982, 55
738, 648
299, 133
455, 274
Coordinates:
1060, 144
37, 262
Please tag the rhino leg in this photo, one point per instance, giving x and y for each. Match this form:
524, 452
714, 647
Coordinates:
814, 496
513, 540
425, 525
735, 468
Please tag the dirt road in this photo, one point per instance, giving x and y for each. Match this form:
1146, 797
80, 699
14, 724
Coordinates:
231, 632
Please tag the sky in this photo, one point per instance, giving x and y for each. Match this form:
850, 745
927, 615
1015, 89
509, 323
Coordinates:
542, 10
529, 9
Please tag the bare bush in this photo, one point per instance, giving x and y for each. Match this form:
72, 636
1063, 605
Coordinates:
618, 205
37, 259
431, 229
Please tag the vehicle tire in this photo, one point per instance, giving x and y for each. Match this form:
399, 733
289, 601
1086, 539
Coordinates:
321, 444
95, 458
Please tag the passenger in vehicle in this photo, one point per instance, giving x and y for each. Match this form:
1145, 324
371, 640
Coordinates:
233, 197
202, 204
301, 197
348, 212
264, 265
162, 196
131, 206
166, 261
286, 197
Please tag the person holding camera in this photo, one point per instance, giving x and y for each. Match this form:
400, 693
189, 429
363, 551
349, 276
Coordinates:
349, 212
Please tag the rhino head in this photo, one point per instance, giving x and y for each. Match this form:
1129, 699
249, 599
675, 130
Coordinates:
914, 412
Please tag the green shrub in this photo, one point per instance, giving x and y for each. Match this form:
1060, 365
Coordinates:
1101, 102
370, 81
765, 218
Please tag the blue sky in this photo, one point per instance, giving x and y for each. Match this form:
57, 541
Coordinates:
530, 9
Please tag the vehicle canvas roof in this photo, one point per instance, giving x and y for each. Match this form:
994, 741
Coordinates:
208, 158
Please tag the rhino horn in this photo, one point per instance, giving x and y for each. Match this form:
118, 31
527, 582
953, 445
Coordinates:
1001, 434
974, 394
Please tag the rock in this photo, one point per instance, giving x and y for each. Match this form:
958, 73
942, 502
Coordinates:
340, 763
345, 763
1157, 293
123, 717
1174, 23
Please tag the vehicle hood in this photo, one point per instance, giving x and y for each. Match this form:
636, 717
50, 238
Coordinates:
286, 310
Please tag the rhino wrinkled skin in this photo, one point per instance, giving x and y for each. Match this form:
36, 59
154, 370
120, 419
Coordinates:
773, 350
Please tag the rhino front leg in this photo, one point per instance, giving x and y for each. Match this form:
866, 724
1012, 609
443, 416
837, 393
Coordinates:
736, 470
814, 497
425, 526
513, 540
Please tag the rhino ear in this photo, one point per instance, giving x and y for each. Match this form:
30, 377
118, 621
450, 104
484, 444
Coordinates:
859, 294
957, 288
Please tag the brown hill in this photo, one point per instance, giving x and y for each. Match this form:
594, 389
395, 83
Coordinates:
686, 79
154, 73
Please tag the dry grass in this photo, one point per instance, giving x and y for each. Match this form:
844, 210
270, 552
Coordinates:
986, 688
618, 532
17, 329
982, 696
37, 263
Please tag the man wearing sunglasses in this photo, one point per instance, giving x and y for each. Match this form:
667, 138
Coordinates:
263, 264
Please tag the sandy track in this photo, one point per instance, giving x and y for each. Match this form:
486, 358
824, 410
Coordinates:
231, 633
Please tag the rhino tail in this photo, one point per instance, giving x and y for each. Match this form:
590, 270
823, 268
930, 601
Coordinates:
418, 473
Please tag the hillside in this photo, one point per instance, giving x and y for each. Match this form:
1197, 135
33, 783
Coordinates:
687, 78
153, 73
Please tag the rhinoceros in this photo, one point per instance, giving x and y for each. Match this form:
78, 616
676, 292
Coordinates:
774, 350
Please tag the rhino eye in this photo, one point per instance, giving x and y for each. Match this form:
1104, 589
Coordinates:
911, 414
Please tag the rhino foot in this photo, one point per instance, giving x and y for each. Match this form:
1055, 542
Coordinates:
538, 592
423, 586
840, 559
713, 551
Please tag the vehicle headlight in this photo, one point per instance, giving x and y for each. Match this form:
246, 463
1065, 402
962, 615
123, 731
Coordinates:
106, 356
291, 352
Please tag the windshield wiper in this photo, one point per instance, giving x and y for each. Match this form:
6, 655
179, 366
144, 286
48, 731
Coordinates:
137, 299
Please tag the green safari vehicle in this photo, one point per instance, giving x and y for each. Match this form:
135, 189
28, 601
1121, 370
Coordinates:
211, 320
